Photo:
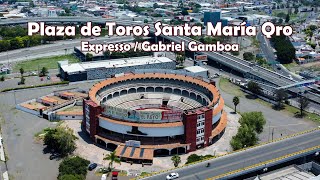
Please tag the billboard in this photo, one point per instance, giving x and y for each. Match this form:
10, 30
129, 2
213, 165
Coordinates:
136, 115
133, 143
201, 57
172, 115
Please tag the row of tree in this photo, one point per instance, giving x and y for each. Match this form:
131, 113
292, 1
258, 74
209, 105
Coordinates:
60, 140
280, 96
251, 124
285, 50
73, 168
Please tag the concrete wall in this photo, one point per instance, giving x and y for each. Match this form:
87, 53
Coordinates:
69, 117
106, 73
151, 132
37, 113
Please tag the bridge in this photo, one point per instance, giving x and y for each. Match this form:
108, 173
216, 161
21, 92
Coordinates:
252, 159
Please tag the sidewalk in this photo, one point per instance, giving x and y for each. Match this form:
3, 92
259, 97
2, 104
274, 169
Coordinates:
2, 157
5, 175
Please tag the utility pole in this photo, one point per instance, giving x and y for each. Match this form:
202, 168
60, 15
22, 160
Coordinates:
15, 100
272, 133
269, 133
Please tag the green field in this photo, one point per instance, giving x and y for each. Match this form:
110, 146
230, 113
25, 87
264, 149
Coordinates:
292, 111
48, 62
230, 88
291, 65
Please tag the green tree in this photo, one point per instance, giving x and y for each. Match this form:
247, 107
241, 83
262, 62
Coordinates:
280, 21
180, 59
254, 120
61, 140
248, 56
281, 15
261, 61
16, 43
112, 158
5, 45
89, 57
296, 10
209, 40
245, 137
176, 160
254, 88
71, 177
287, 18
2, 78
44, 71
49, 138
21, 71
235, 101
155, 5
312, 27
22, 80
106, 54
73, 167
281, 95
145, 21
184, 12
235, 53
193, 158
303, 104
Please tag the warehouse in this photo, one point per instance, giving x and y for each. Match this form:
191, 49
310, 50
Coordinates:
107, 68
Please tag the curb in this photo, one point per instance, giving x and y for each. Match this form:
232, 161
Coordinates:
240, 150
263, 163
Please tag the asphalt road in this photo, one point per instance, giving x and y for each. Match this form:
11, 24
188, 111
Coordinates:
52, 49
246, 158
267, 50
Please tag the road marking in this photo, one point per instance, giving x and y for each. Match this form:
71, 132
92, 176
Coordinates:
265, 162
231, 153
249, 159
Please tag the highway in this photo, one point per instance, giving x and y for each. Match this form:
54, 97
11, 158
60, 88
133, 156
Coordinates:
58, 48
242, 159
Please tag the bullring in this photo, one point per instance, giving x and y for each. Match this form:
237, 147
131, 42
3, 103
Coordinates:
143, 115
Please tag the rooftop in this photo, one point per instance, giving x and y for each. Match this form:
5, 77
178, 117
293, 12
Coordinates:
195, 69
82, 67
290, 172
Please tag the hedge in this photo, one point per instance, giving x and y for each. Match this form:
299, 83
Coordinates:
41, 85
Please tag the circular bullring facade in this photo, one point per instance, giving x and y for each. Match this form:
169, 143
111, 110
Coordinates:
154, 114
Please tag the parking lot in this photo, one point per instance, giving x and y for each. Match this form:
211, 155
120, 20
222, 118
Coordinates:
26, 159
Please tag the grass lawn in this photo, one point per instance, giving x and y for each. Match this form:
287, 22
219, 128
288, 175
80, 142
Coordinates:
311, 116
230, 88
73, 108
291, 65
255, 42
292, 111
48, 62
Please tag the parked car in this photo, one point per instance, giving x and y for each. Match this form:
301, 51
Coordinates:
92, 166
172, 176
54, 156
